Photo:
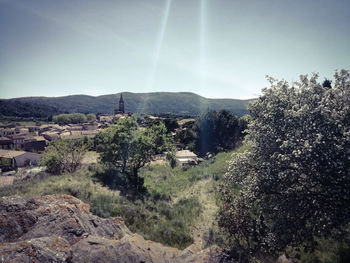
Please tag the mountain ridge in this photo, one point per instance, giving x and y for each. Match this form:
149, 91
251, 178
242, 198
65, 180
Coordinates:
186, 103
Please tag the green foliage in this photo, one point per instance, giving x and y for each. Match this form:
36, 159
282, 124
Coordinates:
127, 147
171, 124
161, 221
72, 118
64, 155
326, 251
295, 178
218, 131
91, 117
156, 219
188, 136
165, 182
5, 162
213, 132
79, 184
17, 108
156, 216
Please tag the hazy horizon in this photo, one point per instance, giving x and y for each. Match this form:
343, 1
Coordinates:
216, 49
123, 92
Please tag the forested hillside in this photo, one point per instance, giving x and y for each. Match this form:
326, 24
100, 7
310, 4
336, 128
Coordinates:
25, 109
150, 103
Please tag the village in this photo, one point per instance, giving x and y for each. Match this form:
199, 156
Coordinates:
21, 145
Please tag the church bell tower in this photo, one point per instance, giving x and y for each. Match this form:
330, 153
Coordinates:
120, 109
121, 104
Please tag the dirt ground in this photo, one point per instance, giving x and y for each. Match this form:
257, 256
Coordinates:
6, 180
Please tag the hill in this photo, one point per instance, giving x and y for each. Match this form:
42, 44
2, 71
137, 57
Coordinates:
25, 109
150, 103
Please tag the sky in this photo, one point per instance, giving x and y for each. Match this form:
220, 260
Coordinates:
215, 48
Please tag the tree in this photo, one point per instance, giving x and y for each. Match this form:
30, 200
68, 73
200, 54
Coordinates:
71, 118
295, 180
127, 147
64, 156
187, 137
218, 131
171, 124
91, 117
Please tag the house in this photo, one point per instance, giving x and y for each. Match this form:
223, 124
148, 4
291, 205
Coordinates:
105, 118
12, 159
50, 136
7, 131
22, 130
5, 143
44, 128
118, 116
32, 128
50, 128
18, 140
90, 126
90, 133
74, 127
79, 134
186, 157
35, 143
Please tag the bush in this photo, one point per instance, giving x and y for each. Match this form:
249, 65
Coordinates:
64, 155
294, 179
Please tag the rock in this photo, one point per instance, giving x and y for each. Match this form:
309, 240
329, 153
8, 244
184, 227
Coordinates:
60, 228
45, 249
283, 259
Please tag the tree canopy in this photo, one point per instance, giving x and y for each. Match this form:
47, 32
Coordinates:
128, 147
213, 131
294, 182
64, 155
72, 118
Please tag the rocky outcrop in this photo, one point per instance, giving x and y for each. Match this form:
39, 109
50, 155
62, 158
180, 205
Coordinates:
60, 228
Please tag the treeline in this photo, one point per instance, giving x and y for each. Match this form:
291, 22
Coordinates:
73, 118
14, 108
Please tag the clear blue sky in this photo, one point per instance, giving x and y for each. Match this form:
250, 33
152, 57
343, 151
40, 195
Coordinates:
216, 48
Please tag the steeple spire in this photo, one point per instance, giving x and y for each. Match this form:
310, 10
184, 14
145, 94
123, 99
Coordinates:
121, 103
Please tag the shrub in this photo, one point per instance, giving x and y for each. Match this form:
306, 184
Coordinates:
294, 179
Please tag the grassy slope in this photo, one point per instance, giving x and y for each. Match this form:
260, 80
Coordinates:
197, 182
169, 214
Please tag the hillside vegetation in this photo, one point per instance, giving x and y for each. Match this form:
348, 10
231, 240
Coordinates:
150, 103
169, 212
26, 109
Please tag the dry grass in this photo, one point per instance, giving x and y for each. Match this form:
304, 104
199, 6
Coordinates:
6, 180
204, 191
90, 158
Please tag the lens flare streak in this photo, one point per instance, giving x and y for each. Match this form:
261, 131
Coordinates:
159, 44
202, 46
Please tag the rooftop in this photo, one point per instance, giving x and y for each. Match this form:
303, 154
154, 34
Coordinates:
10, 153
185, 153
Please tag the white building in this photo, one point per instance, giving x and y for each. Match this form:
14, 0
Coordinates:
186, 157
15, 159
